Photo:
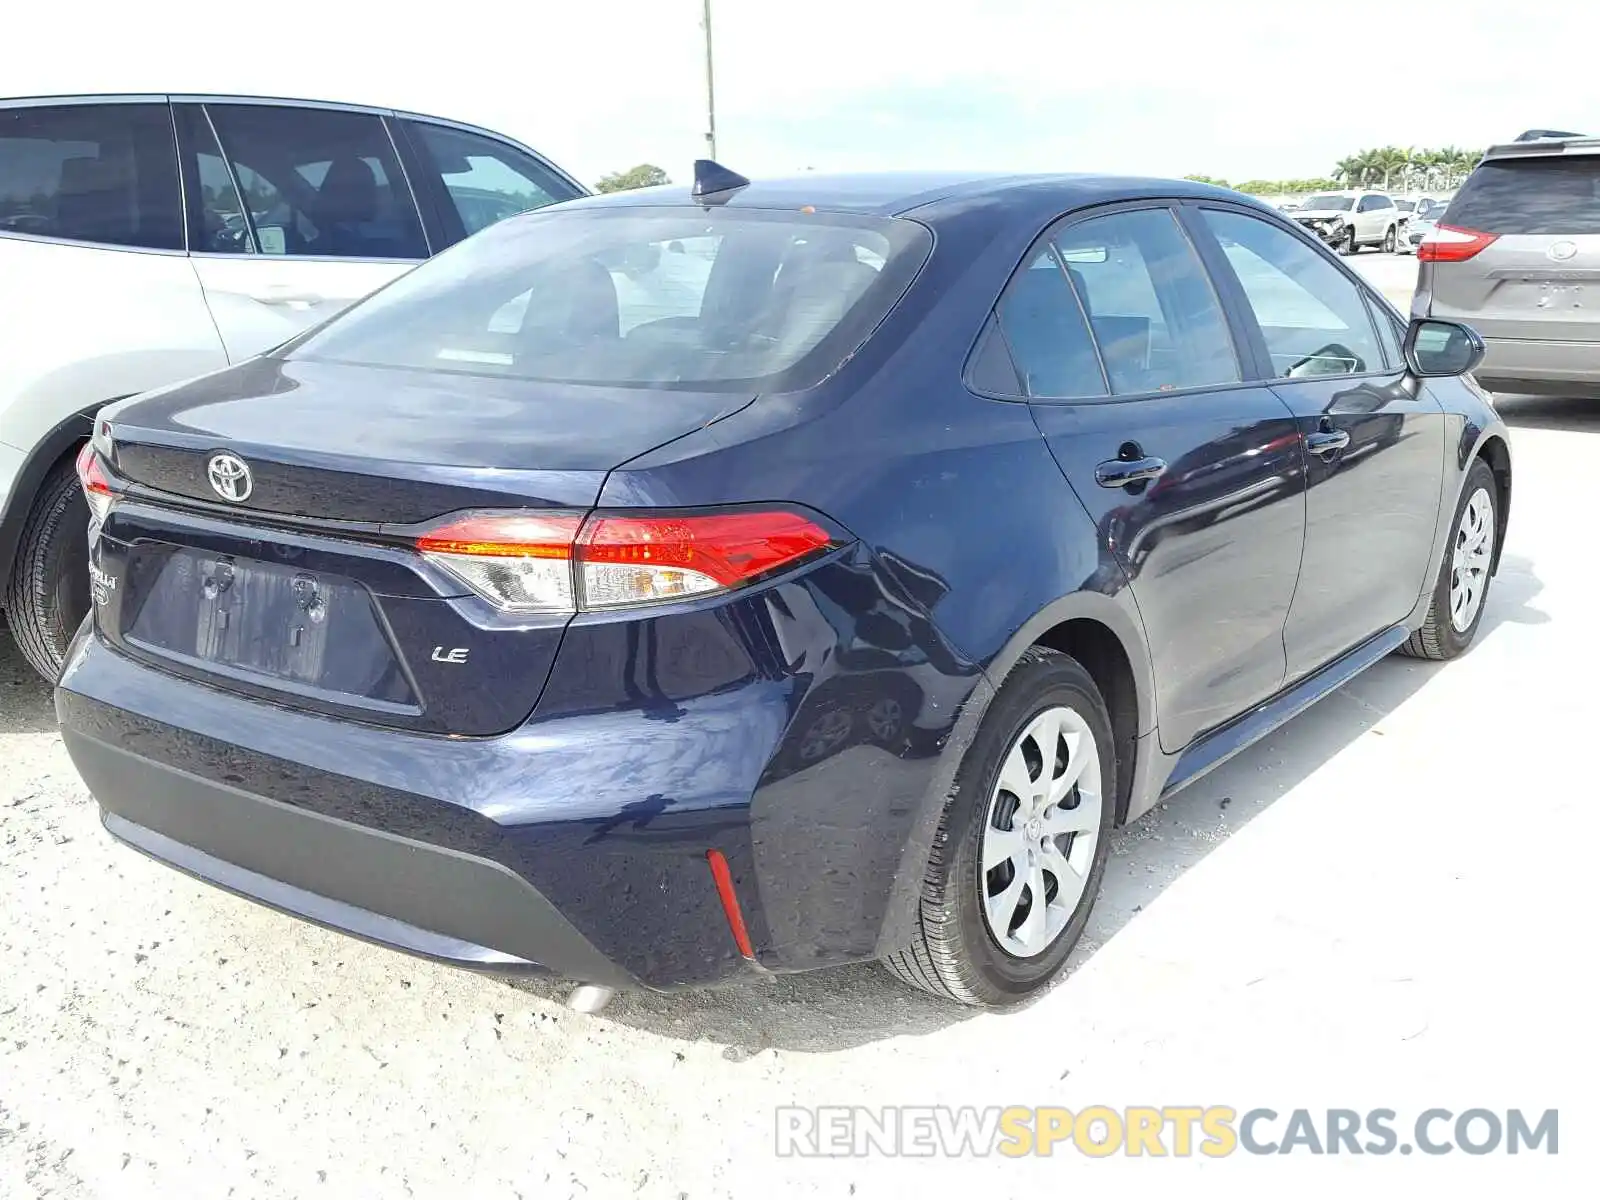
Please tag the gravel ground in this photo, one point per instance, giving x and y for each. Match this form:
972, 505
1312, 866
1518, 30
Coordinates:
1387, 903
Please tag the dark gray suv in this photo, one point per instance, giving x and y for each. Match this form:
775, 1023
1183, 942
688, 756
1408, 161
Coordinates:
1517, 256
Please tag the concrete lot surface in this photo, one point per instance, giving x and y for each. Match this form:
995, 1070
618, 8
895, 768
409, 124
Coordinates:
1389, 903
1395, 275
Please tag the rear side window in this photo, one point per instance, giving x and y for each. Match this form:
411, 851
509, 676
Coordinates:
484, 180
1155, 316
1543, 195
105, 173
321, 183
664, 298
1042, 324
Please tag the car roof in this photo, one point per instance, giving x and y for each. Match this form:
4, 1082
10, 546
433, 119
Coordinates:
925, 193
1544, 148
222, 98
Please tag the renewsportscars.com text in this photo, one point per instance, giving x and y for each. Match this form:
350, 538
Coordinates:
1157, 1132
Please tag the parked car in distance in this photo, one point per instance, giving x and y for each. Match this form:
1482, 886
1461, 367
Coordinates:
812, 607
1349, 220
1515, 255
148, 239
1417, 229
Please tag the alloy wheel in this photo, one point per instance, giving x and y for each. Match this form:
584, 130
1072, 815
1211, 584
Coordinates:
1039, 838
1469, 560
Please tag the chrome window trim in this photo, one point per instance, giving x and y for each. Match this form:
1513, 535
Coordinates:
83, 100
276, 102
46, 240
299, 258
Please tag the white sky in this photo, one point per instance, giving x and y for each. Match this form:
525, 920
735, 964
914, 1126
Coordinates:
1265, 88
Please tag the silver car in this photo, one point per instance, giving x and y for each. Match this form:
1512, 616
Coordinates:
1517, 257
1426, 215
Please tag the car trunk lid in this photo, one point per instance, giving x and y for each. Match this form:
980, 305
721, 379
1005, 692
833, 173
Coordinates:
366, 444
307, 589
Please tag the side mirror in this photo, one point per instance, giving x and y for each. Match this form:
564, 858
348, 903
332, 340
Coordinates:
1434, 349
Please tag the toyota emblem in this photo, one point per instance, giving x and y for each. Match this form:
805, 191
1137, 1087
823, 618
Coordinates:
230, 477
1562, 251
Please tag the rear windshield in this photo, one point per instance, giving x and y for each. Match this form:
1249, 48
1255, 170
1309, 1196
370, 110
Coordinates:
643, 297
1544, 195
1328, 204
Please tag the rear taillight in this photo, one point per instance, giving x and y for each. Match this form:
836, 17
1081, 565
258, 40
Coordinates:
537, 563
521, 562
96, 483
1450, 243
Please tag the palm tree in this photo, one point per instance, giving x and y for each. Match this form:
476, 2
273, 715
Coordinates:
1391, 161
1457, 164
1413, 167
1433, 169
1446, 157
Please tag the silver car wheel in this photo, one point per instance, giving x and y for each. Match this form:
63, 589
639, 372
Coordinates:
1469, 561
1039, 838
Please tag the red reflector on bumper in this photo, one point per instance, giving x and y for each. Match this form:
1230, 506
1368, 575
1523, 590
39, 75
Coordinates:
730, 902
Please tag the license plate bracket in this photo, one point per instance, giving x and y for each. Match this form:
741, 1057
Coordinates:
277, 623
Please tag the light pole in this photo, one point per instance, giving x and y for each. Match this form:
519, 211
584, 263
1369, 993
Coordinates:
711, 91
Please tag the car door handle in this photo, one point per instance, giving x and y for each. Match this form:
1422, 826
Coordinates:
1120, 472
290, 298
1326, 442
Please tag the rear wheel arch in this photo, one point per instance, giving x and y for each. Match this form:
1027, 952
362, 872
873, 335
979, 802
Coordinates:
1497, 455
56, 447
1105, 637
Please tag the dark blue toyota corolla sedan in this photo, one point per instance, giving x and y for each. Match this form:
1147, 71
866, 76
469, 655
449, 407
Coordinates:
665, 587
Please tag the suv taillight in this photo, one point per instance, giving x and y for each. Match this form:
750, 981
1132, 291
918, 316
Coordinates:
1450, 243
560, 563
96, 483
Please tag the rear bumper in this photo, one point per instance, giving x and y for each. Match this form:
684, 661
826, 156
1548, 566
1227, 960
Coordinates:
398, 892
1512, 365
510, 854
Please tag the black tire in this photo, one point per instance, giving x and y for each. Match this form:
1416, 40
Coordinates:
47, 596
1439, 639
1389, 241
953, 955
